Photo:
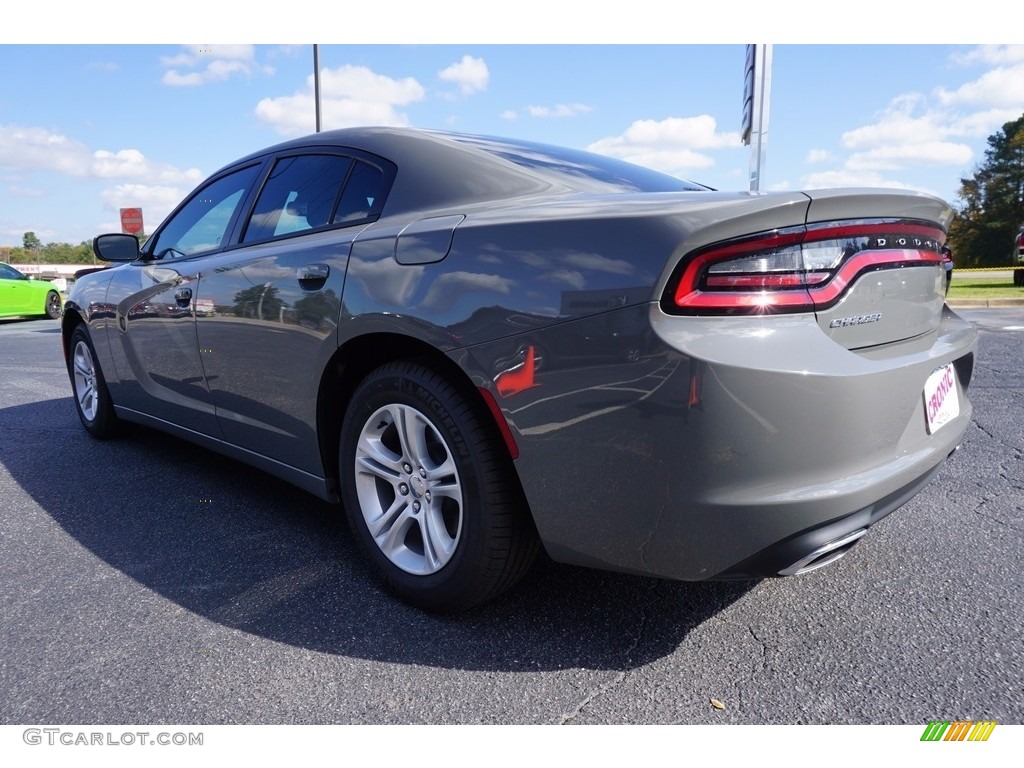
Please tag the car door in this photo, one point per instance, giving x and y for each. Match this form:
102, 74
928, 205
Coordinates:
269, 309
156, 355
16, 293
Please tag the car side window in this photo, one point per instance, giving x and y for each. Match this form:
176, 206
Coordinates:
363, 197
299, 195
202, 223
10, 273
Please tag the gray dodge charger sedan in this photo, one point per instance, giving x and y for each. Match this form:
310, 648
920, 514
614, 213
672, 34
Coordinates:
483, 347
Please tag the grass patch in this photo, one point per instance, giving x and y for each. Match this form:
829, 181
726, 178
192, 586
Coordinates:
984, 288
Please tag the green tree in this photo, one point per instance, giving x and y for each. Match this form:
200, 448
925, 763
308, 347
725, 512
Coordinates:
30, 242
991, 202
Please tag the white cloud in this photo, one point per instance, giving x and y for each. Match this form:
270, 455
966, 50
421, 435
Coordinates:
509, 114
898, 156
125, 162
469, 74
991, 54
848, 178
999, 87
28, 148
982, 123
559, 110
156, 187
349, 96
917, 130
156, 201
363, 84
130, 163
818, 156
668, 145
210, 63
899, 124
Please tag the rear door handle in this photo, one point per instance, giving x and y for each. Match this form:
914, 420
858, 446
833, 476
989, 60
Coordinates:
183, 296
312, 276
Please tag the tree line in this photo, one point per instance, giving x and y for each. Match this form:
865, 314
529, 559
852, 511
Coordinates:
990, 209
32, 251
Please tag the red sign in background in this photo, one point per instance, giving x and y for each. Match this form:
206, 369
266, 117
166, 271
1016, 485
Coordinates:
131, 220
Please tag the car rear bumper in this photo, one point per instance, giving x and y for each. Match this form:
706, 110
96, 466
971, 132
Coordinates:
724, 447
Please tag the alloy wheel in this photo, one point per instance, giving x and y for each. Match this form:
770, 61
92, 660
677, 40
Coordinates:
85, 381
408, 487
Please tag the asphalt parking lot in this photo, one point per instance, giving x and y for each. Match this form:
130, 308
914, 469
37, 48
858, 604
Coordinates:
146, 580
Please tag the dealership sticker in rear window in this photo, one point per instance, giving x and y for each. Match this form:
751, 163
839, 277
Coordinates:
941, 404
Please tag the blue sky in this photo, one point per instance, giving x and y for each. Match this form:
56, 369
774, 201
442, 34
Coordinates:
87, 129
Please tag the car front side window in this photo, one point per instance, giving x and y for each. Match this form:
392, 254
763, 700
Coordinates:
202, 223
10, 273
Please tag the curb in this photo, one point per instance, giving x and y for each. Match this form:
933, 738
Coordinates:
983, 303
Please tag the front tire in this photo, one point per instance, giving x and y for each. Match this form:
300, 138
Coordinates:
430, 493
1018, 277
92, 400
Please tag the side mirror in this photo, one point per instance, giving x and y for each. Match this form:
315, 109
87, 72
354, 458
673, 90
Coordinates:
116, 247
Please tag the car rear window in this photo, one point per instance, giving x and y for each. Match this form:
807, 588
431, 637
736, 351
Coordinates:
577, 169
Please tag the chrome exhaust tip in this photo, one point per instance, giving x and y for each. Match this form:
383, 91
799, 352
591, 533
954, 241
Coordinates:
823, 555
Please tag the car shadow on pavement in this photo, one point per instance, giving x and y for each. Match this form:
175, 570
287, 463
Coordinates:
241, 548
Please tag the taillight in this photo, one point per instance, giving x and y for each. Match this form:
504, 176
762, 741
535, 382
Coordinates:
797, 269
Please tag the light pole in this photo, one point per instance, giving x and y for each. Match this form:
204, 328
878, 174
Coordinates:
757, 91
316, 83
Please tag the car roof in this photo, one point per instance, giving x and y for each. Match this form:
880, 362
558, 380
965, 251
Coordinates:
439, 169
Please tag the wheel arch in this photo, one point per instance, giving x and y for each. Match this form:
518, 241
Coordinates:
355, 359
68, 322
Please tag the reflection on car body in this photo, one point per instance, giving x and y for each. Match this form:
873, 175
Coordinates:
484, 347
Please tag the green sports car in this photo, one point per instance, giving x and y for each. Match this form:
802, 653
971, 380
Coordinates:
22, 296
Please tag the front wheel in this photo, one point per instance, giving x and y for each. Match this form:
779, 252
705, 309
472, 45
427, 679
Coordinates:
92, 400
1018, 277
430, 493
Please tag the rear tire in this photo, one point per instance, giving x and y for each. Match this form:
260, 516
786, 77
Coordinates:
430, 493
92, 399
1018, 277
53, 305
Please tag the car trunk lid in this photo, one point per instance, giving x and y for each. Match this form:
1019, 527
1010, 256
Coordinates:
891, 285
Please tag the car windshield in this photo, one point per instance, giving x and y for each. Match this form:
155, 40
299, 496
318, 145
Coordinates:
583, 171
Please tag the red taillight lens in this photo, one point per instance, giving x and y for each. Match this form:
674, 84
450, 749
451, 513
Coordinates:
797, 269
